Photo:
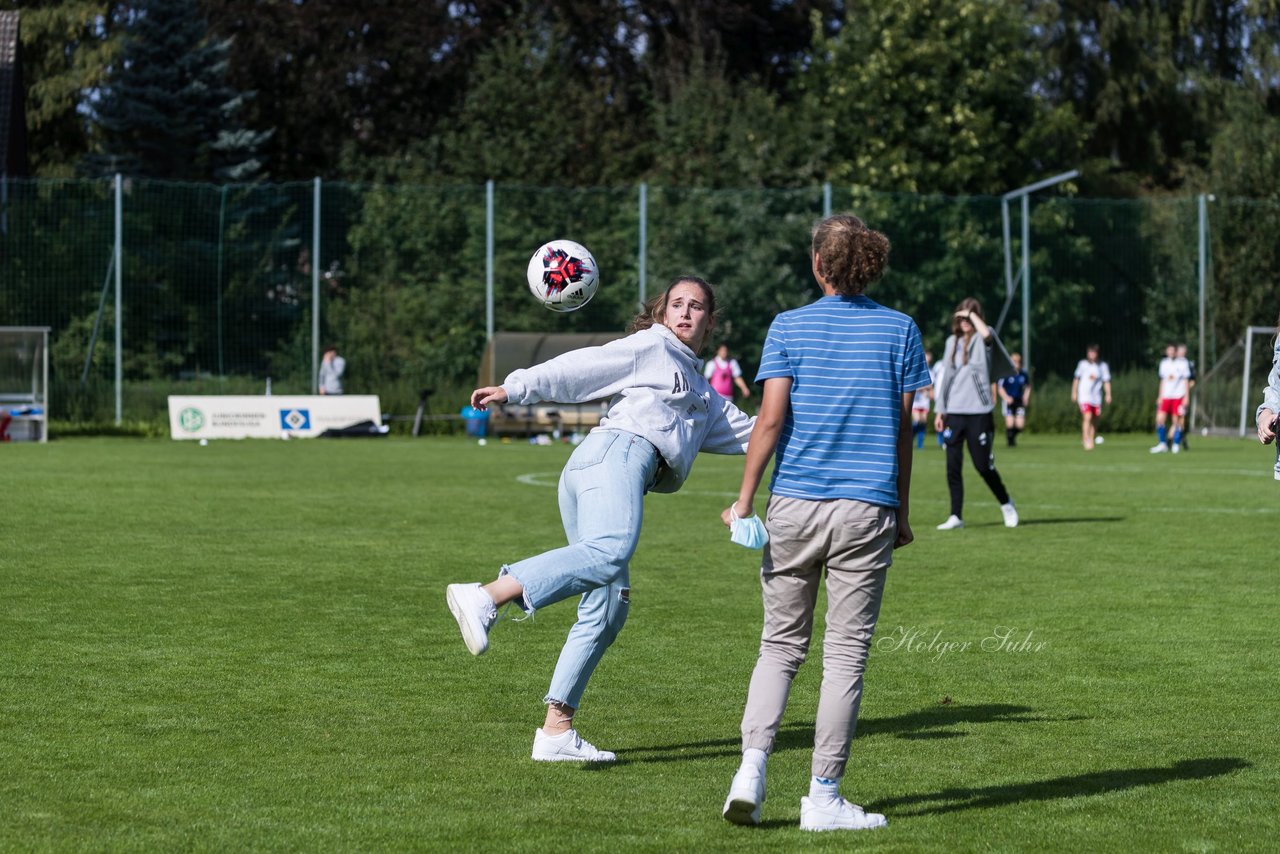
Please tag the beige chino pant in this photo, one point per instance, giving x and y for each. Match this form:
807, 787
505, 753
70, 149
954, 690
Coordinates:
854, 542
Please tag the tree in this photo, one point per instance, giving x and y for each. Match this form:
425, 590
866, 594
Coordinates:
166, 110
933, 96
67, 46
1245, 175
1150, 77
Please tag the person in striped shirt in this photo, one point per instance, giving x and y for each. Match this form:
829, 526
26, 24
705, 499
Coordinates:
839, 377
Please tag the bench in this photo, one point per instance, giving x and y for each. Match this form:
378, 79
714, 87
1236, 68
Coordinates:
23, 418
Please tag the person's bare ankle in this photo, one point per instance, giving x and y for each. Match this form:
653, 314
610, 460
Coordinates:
559, 719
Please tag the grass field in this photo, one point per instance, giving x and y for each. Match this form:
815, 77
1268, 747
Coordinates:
246, 646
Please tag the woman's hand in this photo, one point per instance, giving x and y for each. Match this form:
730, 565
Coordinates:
482, 397
1266, 426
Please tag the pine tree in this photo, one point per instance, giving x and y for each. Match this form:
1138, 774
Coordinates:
166, 110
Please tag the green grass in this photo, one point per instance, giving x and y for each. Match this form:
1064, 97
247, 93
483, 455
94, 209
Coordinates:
246, 646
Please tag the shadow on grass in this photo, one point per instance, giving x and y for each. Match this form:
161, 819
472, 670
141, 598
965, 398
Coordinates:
928, 723
1079, 785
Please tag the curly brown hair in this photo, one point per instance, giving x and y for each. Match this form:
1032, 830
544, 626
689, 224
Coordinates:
850, 255
655, 308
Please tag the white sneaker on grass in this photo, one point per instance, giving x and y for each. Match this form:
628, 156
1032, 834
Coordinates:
746, 794
568, 746
475, 613
1160, 448
953, 522
1176, 449
837, 815
1010, 515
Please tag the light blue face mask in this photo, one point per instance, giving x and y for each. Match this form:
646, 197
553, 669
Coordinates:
747, 532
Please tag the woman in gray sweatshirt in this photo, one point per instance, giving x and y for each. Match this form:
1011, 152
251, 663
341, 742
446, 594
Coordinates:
964, 404
662, 412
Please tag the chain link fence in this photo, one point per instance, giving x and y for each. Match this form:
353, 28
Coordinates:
221, 287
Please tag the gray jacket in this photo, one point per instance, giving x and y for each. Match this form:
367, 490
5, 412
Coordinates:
1271, 394
965, 387
331, 375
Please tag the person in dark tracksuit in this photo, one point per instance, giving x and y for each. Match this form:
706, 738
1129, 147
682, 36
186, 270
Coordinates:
964, 401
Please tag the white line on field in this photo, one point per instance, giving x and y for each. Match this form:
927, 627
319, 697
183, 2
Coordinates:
550, 480
1264, 471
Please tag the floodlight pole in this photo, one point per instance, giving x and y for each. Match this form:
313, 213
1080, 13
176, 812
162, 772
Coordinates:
1024, 194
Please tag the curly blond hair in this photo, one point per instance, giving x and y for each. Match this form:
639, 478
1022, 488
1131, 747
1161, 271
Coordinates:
850, 255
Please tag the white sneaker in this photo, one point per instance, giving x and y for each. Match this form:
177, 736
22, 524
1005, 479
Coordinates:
952, 523
746, 794
1010, 515
1177, 449
837, 815
568, 746
1160, 448
475, 613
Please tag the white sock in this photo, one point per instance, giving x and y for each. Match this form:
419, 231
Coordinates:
755, 758
823, 790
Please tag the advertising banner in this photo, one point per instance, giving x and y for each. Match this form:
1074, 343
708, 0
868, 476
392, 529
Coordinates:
270, 417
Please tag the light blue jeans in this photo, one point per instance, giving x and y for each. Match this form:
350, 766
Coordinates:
602, 492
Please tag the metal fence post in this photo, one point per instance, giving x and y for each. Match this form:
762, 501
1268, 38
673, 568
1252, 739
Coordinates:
826, 199
488, 274
642, 251
222, 230
1202, 266
1026, 282
315, 287
119, 212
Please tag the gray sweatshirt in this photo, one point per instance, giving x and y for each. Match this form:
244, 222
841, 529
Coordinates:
656, 390
965, 387
1271, 394
331, 375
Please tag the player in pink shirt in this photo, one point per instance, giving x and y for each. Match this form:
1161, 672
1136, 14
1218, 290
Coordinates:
724, 373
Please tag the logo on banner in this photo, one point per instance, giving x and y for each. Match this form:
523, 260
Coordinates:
295, 419
191, 419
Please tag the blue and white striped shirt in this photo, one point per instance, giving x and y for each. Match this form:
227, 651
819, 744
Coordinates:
850, 360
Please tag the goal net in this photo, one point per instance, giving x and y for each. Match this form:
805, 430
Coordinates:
1227, 394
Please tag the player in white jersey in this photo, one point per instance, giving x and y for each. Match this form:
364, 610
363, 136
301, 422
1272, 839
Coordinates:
935, 373
1092, 383
1171, 404
920, 406
1191, 385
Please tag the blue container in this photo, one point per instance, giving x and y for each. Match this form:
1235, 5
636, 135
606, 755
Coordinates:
476, 421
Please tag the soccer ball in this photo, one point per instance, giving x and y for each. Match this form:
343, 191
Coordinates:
563, 275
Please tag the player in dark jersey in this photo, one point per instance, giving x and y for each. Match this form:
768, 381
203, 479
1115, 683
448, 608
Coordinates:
1015, 393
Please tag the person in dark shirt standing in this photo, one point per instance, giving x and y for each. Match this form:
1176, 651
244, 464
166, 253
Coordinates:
1015, 394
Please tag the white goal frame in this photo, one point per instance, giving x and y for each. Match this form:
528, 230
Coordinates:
1245, 409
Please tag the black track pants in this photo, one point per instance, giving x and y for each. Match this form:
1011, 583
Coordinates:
978, 431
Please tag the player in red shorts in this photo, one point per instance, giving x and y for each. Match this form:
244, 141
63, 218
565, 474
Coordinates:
1091, 384
1171, 405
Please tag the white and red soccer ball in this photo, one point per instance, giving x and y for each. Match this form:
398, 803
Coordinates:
563, 275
